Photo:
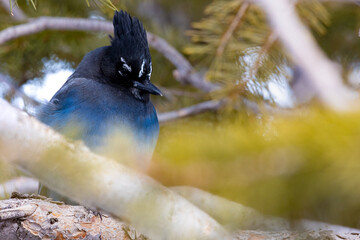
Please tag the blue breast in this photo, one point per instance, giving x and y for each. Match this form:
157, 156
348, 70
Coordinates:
96, 112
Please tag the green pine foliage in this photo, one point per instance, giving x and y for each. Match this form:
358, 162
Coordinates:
249, 57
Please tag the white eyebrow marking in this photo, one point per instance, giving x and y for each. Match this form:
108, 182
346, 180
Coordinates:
142, 69
149, 74
121, 73
127, 67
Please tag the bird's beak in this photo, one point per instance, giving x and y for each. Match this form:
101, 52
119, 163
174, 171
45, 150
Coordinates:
147, 87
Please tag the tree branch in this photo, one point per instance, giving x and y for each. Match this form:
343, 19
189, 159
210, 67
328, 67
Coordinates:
190, 111
5, 79
229, 32
35, 218
184, 72
325, 75
271, 39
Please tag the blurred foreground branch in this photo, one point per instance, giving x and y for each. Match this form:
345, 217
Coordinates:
98, 182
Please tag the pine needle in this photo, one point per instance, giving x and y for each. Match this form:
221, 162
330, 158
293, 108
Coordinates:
11, 8
33, 4
110, 4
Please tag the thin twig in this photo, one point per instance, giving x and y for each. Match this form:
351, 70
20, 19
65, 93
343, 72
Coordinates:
17, 91
229, 32
189, 111
264, 49
177, 92
184, 72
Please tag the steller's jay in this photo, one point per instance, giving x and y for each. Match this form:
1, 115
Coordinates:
109, 93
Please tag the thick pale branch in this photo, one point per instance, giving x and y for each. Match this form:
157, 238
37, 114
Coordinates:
324, 75
98, 182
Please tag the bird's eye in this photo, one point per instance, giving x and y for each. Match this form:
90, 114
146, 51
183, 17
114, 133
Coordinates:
141, 72
150, 71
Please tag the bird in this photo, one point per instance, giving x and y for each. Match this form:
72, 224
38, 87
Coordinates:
109, 92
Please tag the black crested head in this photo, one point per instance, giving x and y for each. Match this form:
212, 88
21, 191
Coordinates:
127, 62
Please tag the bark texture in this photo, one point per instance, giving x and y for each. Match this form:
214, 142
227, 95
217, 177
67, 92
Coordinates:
31, 218
34, 217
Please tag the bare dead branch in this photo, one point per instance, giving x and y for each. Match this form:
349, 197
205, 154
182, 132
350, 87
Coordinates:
34, 218
325, 75
189, 111
38, 218
54, 23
